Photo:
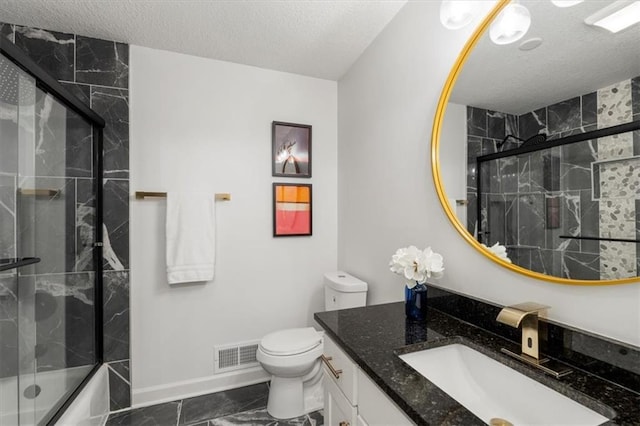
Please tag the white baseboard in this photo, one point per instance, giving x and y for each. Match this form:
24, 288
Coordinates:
186, 389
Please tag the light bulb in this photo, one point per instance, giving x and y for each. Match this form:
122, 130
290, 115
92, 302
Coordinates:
455, 14
510, 25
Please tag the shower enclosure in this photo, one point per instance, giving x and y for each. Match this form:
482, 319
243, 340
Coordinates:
50, 242
567, 207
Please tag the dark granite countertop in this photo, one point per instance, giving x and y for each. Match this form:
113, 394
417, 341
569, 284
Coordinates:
373, 336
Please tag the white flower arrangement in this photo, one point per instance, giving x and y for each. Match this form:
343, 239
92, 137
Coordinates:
499, 250
417, 265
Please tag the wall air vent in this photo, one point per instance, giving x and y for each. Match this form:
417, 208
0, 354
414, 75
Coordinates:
235, 356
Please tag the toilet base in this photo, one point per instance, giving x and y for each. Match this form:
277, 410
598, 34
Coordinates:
286, 398
293, 397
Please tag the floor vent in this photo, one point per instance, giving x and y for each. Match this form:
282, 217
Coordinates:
235, 356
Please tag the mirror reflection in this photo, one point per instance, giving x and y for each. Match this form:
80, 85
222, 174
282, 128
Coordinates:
550, 125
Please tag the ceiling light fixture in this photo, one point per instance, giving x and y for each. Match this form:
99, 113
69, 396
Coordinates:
455, 14
566, 3
617, 16
511, 24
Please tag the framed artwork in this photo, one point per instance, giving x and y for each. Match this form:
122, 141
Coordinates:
291, 209
290, 149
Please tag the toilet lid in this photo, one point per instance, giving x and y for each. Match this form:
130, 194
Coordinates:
290, 342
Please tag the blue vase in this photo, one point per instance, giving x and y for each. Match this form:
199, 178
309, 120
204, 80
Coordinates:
415, 302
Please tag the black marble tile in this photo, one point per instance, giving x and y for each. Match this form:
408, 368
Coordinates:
524, 173
8, 206
223, 403
113, 106
122, 368
496, 213
53, 51
509, 174
102, 62
575, 164
551, 169
9, 350
156, 415
261, 417
564, 116
65, 321
78, 146
589, 109
116, 224
46, 223
581, 266
532, 123
489, 146
511, 125
571, 220
8, 120
116, 315
374, 335
6, 30
496, 126
589, 222
635, 95
476, 122
84, 225
472, 212
80, 91
119, 387
531, 220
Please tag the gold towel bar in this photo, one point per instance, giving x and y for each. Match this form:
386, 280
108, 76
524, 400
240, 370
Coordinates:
141, 195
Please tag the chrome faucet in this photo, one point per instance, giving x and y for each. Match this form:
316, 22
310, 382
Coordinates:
527, 315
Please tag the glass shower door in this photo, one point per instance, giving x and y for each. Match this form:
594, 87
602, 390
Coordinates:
47, 212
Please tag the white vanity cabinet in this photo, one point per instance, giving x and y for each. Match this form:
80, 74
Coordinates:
350, 396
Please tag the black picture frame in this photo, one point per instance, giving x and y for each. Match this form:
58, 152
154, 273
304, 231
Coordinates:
292, 209
290, 149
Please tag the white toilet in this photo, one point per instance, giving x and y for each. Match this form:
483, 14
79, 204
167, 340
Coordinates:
292, 356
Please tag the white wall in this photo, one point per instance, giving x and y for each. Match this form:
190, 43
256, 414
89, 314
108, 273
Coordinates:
386, 195
199, 124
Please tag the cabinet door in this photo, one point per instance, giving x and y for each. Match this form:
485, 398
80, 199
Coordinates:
375, 408
337, 409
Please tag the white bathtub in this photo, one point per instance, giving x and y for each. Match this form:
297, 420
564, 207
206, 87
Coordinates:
91, 406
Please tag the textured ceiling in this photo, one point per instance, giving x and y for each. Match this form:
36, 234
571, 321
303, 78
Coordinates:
318, 38
574, 59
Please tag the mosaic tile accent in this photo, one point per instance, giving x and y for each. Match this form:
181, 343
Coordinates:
620, 179
614, 104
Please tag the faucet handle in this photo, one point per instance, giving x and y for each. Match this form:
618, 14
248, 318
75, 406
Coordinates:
513, 315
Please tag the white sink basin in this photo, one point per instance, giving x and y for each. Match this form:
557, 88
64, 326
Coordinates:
491, 390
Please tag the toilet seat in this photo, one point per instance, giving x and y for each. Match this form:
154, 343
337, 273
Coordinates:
292, 341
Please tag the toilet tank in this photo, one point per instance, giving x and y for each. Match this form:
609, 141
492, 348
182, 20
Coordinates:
342, 291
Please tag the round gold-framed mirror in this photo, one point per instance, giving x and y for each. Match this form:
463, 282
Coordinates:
563, 238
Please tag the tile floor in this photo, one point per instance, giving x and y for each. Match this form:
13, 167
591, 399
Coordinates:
243, 406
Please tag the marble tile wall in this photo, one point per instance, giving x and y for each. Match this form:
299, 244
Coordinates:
555, 191
97, 72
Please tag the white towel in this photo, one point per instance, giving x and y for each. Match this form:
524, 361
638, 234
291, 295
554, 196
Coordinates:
191, 238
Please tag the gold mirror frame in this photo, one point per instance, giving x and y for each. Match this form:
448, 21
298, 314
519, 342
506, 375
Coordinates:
435, 166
